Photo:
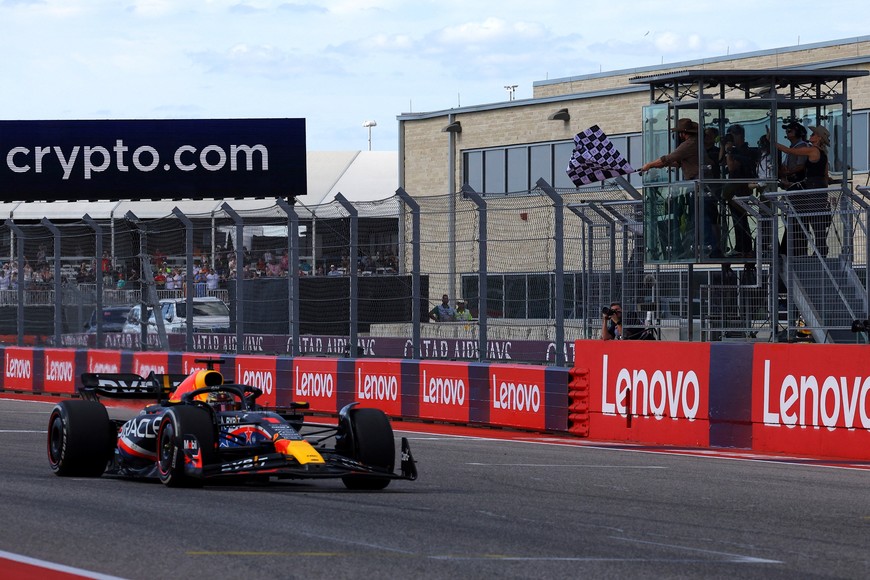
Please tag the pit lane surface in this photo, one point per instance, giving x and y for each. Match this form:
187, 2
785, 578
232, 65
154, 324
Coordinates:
482, 508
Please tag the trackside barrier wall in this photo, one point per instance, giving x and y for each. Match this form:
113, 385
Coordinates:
517, 396
804, 399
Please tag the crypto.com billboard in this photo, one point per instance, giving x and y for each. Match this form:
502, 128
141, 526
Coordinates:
152, 159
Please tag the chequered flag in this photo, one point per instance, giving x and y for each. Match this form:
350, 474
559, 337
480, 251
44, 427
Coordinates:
595, 158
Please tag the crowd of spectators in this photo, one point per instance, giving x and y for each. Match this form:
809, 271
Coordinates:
170, 274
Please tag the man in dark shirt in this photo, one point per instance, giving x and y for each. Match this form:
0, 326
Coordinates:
741, 165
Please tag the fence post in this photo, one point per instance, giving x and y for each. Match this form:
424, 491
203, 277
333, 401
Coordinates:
354, 260
150, 291
19, 256
188, 274
58, 296
240, 274
586, 264
98, 273
292, 273
415, 268
559, 257
483, 291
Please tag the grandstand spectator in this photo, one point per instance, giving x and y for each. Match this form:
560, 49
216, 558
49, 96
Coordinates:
274, 268
106, 269
170, 279
211, 280
160, 280
200, 282
179, 279
28, 274
443, 312
461, 312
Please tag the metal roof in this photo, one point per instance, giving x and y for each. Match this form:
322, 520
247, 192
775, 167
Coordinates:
744, 75
360, 176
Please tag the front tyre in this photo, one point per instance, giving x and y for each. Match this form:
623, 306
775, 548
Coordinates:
371, 443
80, 439
175, 424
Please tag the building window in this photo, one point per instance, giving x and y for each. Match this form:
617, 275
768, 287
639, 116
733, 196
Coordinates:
494, 171
540, 163
518, 168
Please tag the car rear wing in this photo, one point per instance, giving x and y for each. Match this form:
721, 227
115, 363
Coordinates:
129, 385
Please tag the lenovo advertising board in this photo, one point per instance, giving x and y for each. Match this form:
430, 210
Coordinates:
445, 391
259, 372
378, 384
315, 381
811, 400
650, 392
152, 159
517, 396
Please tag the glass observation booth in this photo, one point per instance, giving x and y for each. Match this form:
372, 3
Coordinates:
709, 217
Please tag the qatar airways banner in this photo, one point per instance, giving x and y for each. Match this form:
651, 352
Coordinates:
378, 384
152, 159
654, 392
811, 399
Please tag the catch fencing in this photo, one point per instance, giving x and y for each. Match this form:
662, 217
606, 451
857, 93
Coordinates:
533, 268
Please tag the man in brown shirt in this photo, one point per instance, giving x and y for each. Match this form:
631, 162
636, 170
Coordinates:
685, 156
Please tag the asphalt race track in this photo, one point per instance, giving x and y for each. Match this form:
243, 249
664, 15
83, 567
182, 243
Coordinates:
482, 508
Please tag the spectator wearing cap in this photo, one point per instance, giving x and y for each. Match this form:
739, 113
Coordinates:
686, 158
813, 200
333, 271
461, 312
792, 170
740, 162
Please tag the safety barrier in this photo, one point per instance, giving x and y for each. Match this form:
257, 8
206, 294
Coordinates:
578, 398
804, 399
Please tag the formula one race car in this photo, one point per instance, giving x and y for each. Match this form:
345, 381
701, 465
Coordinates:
202, 428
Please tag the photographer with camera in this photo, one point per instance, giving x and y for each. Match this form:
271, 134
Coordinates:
611, 322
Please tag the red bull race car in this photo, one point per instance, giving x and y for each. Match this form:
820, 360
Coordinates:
202, 428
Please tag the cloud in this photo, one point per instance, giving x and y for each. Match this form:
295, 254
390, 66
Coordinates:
21, 2
267, 61
302, 8
151, 8
488, 32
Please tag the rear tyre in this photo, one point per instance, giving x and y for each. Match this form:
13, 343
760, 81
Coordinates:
175, 424
371, 443
80, 439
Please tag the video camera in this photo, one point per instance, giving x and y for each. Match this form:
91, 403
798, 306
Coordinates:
860, 326
606, 311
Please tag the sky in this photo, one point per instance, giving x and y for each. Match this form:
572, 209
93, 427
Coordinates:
340, 63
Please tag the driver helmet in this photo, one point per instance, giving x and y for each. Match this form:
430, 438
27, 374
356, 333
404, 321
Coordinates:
223, 401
